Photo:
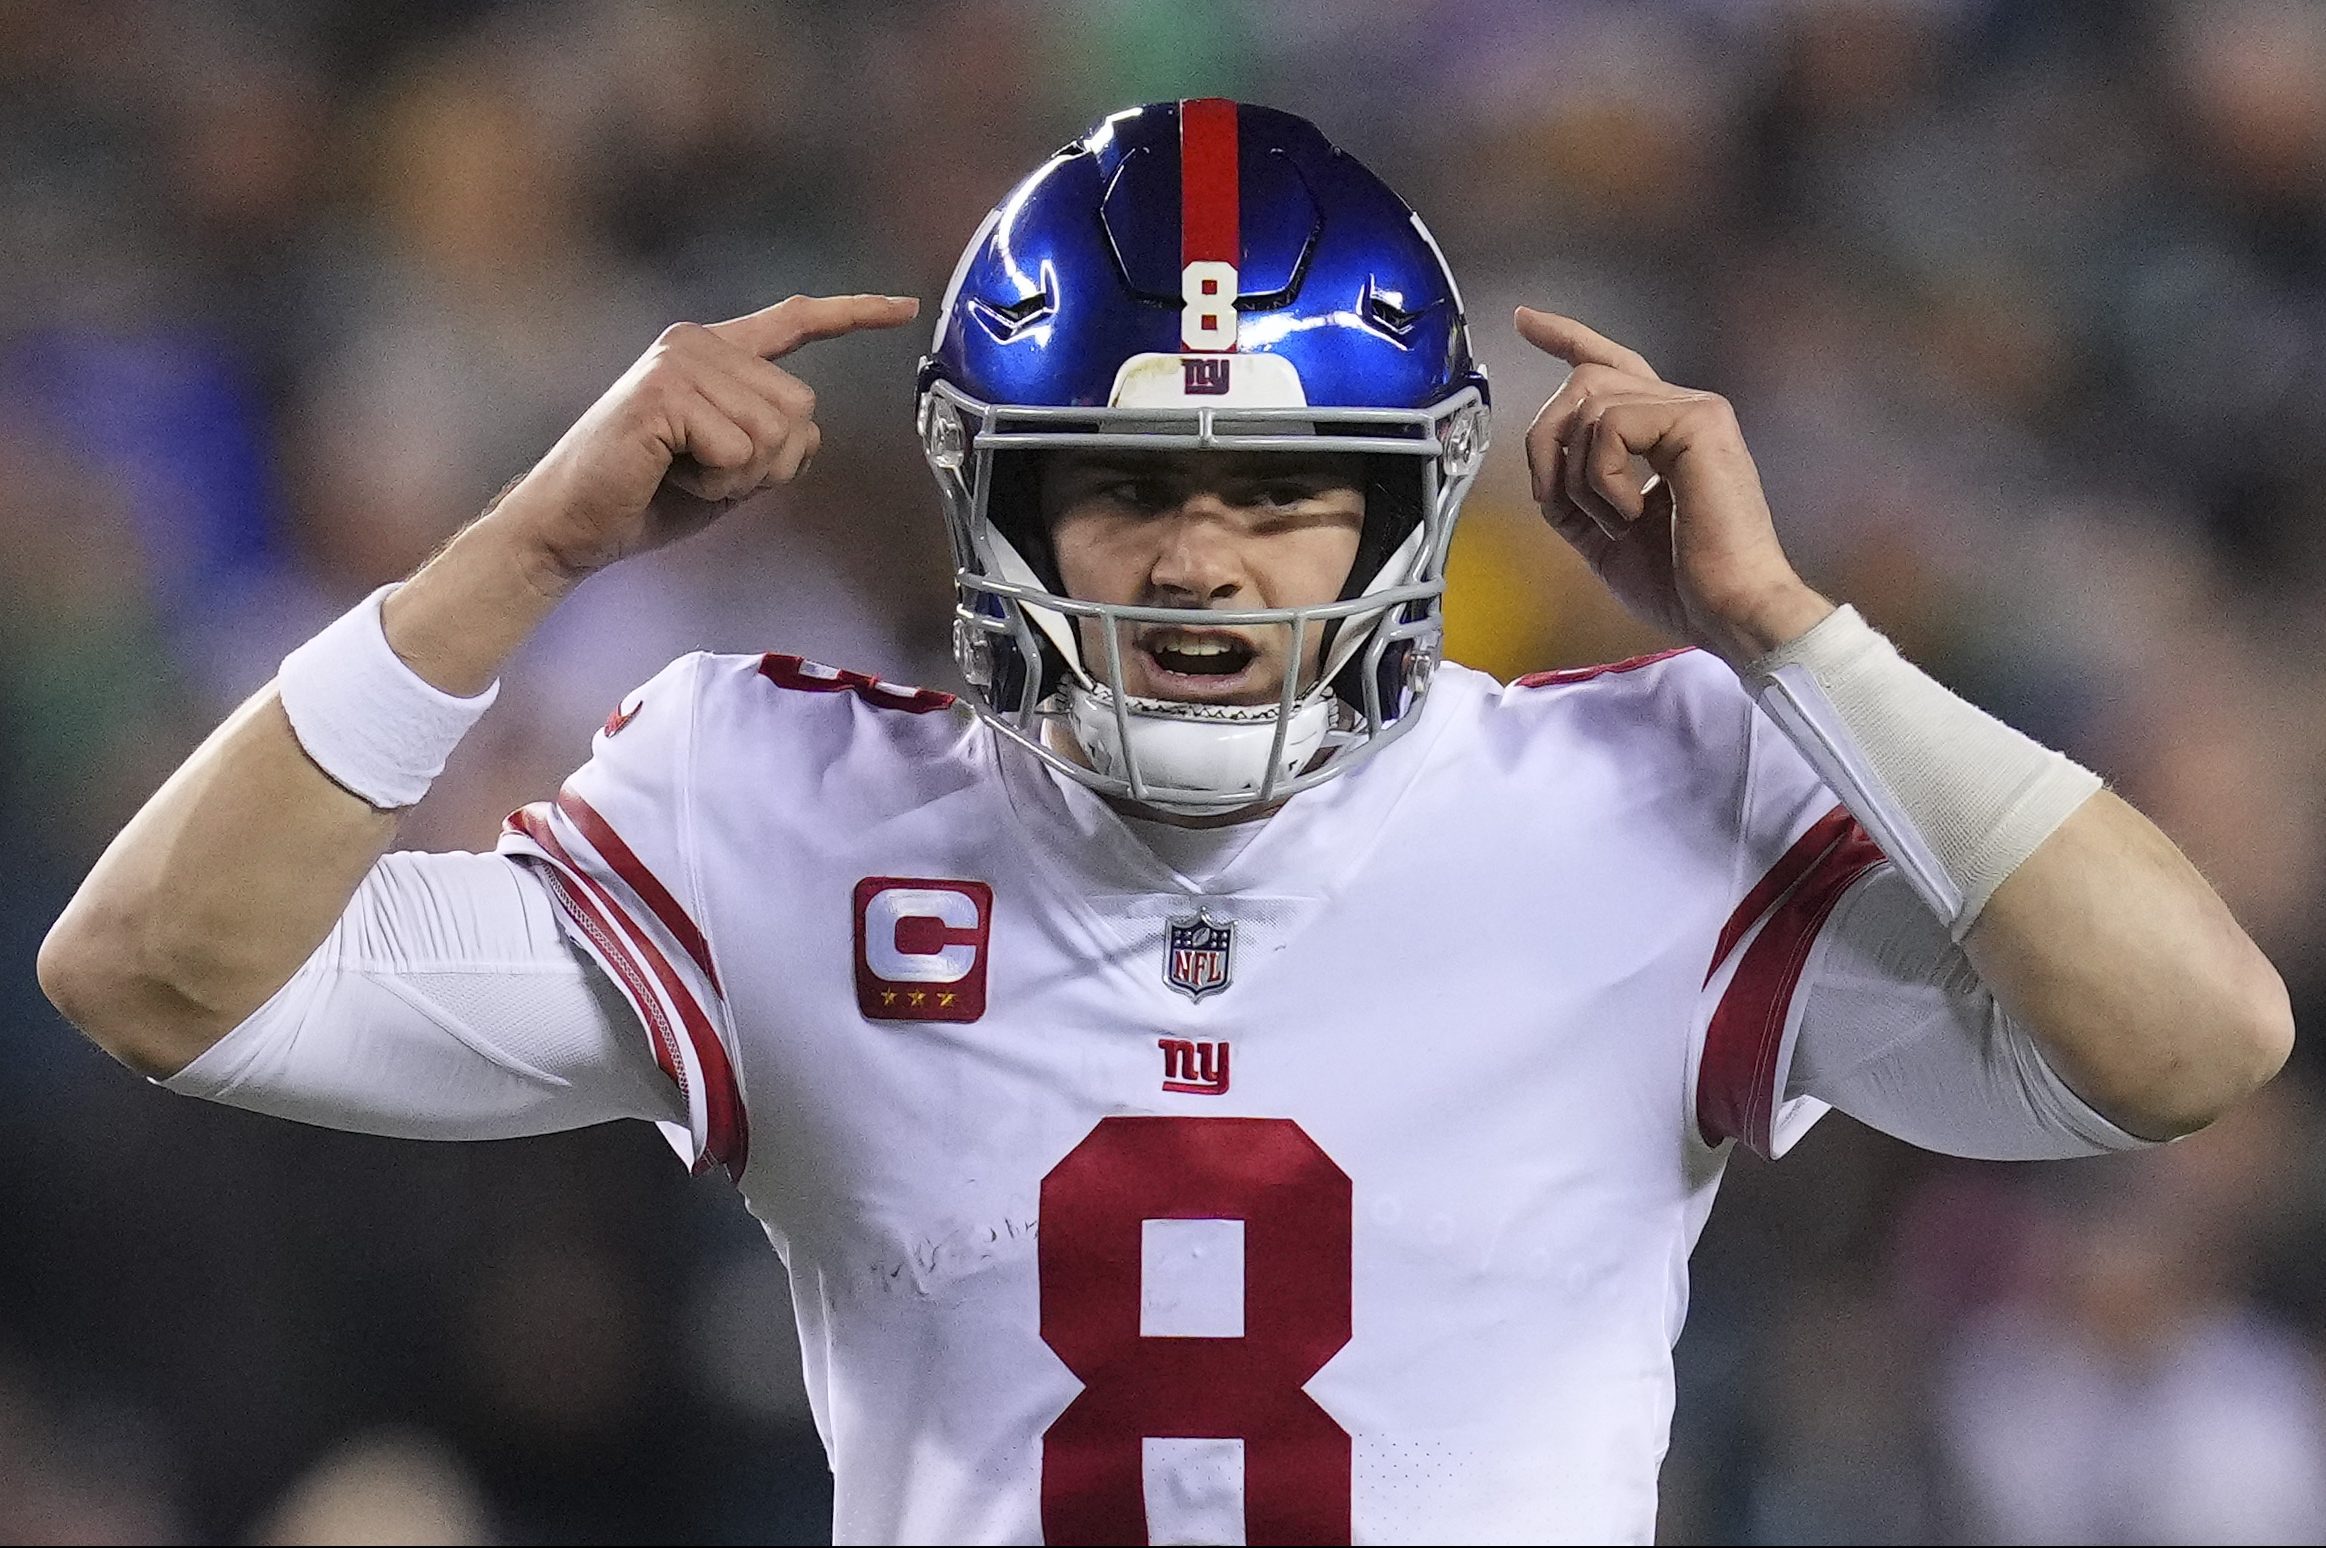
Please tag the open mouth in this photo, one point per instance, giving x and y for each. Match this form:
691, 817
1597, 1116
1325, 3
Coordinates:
1200, 662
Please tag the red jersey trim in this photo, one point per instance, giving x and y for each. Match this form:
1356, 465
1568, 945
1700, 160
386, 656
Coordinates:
642, 881
1561, 676
634, 985
1807, 850
804, 676
1736, 1080
727, 1138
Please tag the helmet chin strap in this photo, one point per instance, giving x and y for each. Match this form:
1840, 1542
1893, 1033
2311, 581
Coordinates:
1221, 749
1182, 745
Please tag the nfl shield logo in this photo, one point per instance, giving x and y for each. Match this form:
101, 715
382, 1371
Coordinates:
1195, 956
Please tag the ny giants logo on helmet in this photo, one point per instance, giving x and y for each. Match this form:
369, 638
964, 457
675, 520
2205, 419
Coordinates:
1205, 376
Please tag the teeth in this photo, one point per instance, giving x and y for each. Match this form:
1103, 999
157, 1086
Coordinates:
1187, 647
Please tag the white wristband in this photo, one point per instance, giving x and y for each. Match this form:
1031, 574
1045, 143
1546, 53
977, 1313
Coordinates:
377, 727
1954, 797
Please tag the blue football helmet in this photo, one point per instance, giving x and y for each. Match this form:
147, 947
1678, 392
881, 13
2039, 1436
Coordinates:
1201, 274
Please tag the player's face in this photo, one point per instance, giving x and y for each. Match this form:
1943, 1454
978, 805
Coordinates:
1217, 530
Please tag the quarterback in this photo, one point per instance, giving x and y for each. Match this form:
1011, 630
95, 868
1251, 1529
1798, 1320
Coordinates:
1230, 1075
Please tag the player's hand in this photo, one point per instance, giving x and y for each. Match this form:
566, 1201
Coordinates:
702, 422
1689, 546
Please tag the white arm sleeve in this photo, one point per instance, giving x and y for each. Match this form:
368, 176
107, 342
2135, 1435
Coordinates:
1898, 1031
447, 1003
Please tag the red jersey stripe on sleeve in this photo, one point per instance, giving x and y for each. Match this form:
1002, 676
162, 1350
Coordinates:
1807, 850
641, 880
1736, 1080
626, 967
727, 1139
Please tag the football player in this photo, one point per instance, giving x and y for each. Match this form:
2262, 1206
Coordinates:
1236, 1077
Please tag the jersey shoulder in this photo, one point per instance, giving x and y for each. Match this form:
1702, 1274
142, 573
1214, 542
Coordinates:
1673, 706
781, 724
1622, 763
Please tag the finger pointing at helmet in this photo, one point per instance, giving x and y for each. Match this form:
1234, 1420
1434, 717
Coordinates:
702, 421
1688, 544
775, 331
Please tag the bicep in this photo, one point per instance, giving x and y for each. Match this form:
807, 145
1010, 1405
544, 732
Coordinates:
1898, 1031
446, 1004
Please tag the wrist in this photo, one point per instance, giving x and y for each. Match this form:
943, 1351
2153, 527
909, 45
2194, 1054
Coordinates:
467, 610
528, 519
366, 716
1767, 621
516, 548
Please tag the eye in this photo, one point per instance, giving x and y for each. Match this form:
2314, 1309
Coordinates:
1139, 494
1285, 492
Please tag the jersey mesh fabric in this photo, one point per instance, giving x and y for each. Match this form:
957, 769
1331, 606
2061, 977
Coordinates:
1899, 1032
446, 1004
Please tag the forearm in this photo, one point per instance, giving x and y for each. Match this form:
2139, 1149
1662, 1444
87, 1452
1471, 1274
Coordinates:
2082, 919
234, 872
2131, 973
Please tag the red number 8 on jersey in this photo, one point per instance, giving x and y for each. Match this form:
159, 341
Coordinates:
1295, 1206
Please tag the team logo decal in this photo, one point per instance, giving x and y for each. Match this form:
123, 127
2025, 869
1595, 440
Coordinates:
1194, 1068
921, 948
1206, 375
1195, 954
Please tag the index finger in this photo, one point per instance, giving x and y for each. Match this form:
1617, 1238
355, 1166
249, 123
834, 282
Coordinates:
1576, 344
775, 331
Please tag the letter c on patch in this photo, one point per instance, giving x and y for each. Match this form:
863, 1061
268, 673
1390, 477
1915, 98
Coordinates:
921, 948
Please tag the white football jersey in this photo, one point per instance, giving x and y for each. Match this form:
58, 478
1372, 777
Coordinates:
1348, 1196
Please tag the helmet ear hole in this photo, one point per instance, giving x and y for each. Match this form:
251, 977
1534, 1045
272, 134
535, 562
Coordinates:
1393, 496
1393, 500
1013, 508
1013, 504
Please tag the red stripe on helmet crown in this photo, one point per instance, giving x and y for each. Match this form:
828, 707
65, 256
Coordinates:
1210, 206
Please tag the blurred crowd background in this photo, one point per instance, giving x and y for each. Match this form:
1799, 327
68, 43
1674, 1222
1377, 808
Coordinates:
2023, 303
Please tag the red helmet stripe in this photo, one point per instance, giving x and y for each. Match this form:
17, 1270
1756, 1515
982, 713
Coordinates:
1209, 205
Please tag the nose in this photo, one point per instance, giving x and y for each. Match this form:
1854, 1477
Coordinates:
1199, 562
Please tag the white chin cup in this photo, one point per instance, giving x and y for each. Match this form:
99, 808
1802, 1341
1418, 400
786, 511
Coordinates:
1216, 748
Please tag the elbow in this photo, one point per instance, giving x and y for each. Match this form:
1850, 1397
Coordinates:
2267, 1039
90, 976
2223, 1058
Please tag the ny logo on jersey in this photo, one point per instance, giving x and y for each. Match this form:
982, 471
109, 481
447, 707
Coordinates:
1195, 954
1206, 375
921, 948
1199, 1069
